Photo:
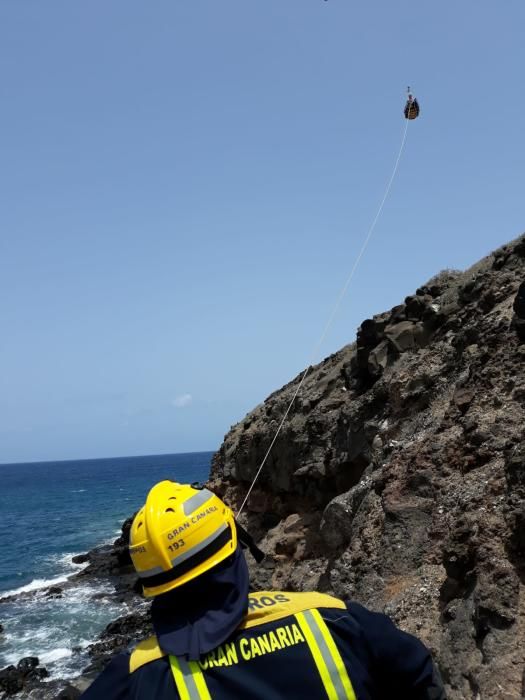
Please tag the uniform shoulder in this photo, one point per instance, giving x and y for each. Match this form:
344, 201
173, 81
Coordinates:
267, 606
144, 653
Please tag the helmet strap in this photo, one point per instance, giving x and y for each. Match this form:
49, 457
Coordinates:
247, 541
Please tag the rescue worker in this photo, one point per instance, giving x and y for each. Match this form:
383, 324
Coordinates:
411, 110
215, 639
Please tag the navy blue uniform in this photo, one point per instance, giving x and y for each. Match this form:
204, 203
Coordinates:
290, 645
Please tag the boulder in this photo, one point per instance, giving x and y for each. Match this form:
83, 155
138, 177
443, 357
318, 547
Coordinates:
69, 692
377, 360
367, 335
11, 680
54, 592
27, 673
80, 559
27, 664
336, 523
402, 335
422, 333
415, 307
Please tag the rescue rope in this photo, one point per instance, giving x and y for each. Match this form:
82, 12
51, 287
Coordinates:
340, 298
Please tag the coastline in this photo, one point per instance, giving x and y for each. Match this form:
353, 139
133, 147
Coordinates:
64, 583
107, 573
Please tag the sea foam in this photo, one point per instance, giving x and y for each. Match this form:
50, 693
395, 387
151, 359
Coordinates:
35, 585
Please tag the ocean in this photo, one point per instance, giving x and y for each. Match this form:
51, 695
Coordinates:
51, 511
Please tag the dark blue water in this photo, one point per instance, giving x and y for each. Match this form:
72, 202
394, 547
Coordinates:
51, 511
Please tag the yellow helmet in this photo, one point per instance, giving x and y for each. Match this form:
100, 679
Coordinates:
180, 533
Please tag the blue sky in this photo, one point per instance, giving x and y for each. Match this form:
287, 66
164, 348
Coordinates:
185, 185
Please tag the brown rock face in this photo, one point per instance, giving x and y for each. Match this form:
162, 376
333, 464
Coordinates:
398, 479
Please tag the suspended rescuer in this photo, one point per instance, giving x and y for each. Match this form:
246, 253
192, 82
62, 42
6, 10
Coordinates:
411, 110
215, 639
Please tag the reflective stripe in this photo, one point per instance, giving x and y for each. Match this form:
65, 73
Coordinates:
150, 572
326, 656
189, 679
196, 501
200, 545
187, 554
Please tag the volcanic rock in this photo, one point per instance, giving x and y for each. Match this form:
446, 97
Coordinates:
54, 592
398, 478
25, 675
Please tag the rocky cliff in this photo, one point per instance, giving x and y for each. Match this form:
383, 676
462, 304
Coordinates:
399, 480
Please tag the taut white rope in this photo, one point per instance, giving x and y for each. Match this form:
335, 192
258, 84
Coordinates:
340, 298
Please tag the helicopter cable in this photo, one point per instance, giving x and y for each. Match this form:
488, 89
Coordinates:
331, 317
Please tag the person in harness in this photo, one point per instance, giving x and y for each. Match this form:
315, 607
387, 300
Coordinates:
412, 107
216, 639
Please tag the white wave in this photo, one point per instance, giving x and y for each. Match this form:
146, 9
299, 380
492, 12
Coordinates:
78, 490
51, 628
110, 540
64, 671
65, 561
35, 585
84, 643
87, 592
50, 657
11, 659
61, 561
